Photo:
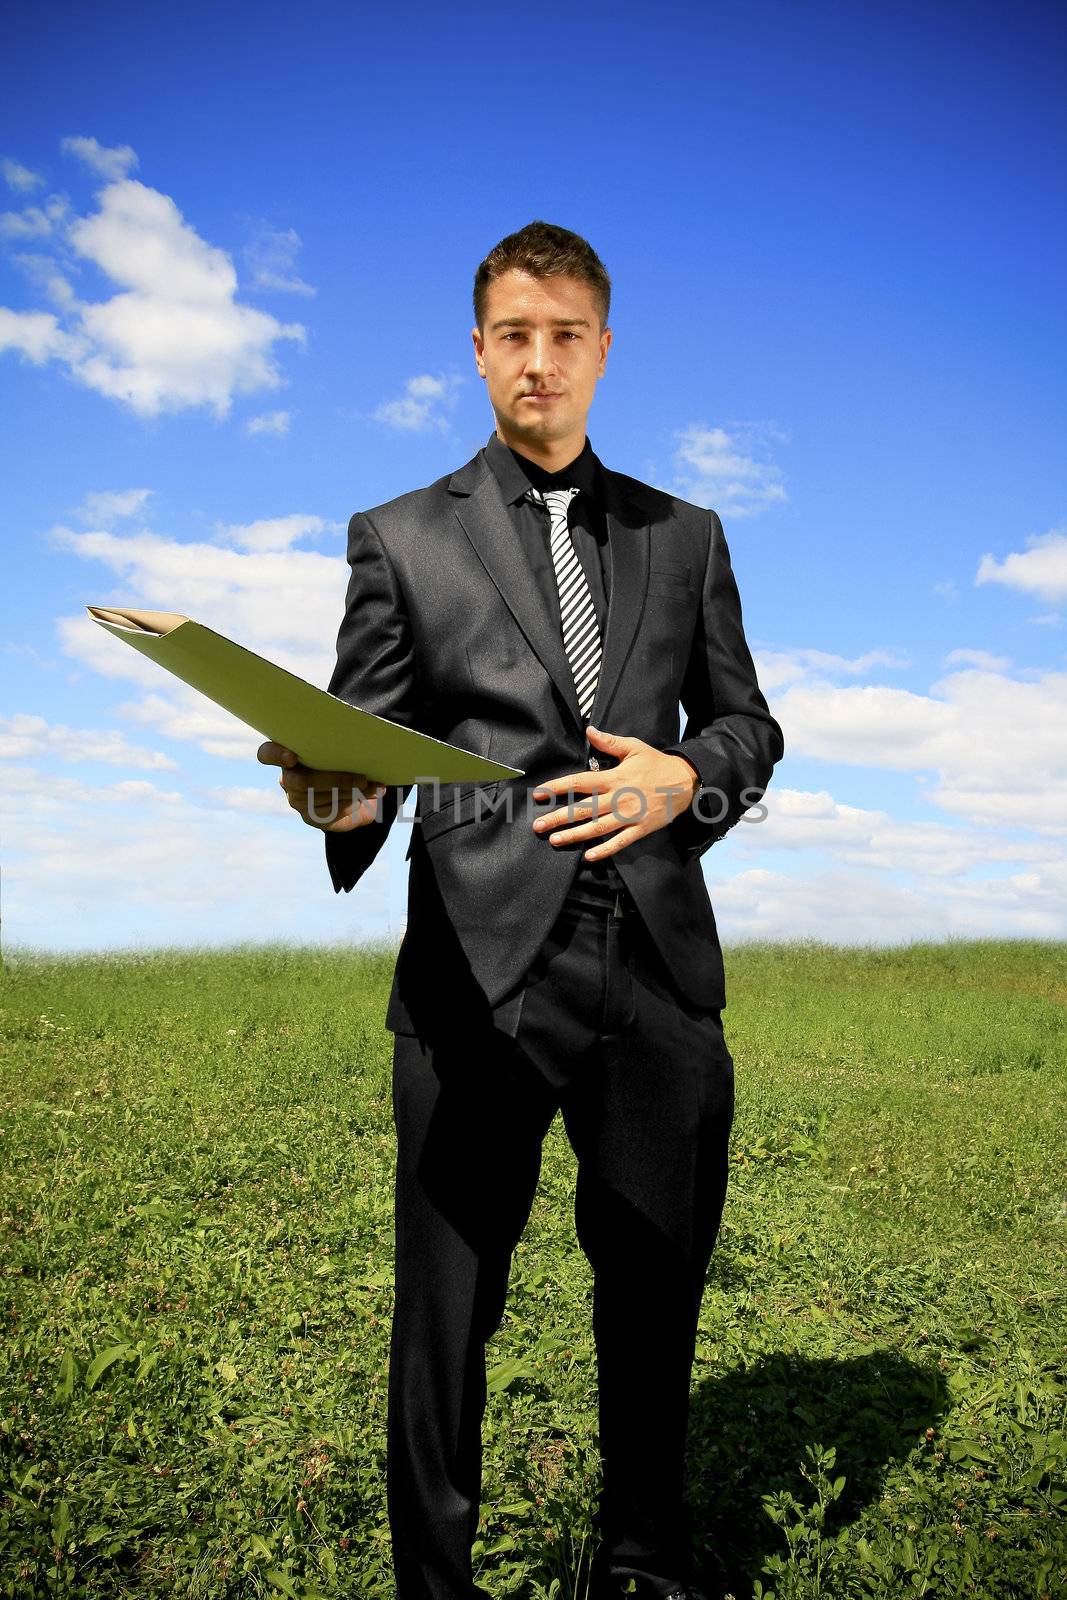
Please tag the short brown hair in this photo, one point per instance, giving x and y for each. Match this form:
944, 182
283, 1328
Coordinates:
544, 251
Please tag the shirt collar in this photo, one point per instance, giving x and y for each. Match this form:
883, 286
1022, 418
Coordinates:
516, 473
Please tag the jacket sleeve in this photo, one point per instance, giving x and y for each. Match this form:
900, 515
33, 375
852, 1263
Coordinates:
375, 670
730, 737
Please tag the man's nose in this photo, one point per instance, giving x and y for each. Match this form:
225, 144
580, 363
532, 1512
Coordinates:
539, 353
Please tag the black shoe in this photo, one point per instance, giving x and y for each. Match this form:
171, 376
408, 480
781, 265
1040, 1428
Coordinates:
606, 1584
612, 1586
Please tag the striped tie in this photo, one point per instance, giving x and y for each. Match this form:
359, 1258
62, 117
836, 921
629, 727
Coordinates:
581, 633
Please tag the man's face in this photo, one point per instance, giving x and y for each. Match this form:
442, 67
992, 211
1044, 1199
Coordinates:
541, 352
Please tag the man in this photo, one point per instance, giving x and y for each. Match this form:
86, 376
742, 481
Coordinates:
549, 614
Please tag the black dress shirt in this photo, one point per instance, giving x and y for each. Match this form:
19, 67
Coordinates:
515, 474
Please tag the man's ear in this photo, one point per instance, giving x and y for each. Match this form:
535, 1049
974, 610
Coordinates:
605, 346
477, 337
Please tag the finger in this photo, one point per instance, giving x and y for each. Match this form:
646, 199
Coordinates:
320, 806
276, 755
576, 813
359, 818
583, 833
300, 780
587, 782
335, 817
614, 743
322, 778
344, 823
608, 818
612, 846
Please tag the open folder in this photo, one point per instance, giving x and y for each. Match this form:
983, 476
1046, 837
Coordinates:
326, 733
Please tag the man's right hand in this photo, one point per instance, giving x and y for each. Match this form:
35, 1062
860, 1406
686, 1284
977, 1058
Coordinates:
334, 802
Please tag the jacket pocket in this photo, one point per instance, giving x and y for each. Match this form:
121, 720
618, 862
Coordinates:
459, 804
670, 580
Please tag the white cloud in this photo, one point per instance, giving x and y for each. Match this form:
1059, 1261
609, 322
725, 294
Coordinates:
1040, 570
284, 603
94, 866
167, 706
190, 717
273, 533
29, 652
104, 506
111, 162
271, 254
37, 336
997, 744
867, 724
977, 658
35, 222
722, 470
18, 177
273, 423
779, 667
856, 907
32, 223
47, 276
1042, 809
265, 598
989, 863
422, 405
269, 802
83, 642
23, 736
802, 821
174, 336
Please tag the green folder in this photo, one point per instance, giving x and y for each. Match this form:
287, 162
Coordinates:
328, 734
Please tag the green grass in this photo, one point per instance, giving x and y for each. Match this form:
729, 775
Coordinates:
196, 1247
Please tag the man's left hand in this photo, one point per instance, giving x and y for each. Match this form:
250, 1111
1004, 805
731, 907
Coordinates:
645, 791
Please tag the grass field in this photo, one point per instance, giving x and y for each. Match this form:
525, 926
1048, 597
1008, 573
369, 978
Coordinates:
197, 1249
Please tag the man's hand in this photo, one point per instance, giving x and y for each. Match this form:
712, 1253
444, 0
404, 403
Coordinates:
659, 788
335, 802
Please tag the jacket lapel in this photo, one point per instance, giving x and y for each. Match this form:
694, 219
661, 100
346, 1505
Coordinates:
485, 520
629, 537
484, 517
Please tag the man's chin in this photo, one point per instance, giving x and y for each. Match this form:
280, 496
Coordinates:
540, 428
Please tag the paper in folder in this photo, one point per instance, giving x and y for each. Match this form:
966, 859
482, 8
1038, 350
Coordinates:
326, 733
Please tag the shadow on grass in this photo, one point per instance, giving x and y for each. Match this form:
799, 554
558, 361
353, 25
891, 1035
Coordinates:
748, 1431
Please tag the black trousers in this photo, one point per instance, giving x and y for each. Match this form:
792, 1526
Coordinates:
645, 1086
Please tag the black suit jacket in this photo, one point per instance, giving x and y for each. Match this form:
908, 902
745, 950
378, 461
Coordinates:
444, 630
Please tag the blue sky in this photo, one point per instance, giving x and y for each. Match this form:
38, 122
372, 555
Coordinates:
236, 254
